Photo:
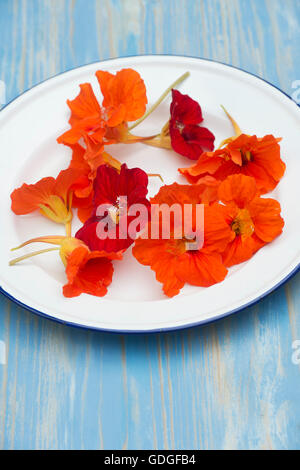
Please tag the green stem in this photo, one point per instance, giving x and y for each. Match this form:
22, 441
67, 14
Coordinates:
29, 255
160, 99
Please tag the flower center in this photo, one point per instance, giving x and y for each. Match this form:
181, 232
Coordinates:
242, 224
114, 213
118, 133
180, 126
56, 209
246, 156
178, 247
118, 209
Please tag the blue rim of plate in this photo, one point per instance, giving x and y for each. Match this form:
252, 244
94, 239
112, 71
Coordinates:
174, 328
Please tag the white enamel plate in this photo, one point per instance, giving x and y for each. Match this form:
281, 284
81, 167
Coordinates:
29, 127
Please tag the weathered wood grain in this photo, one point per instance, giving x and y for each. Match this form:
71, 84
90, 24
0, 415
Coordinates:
227, 385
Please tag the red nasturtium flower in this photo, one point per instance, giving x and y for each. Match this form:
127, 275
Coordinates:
174, 263
124, 100
109, 187
254, 221
88, 272
183, 132
248, 155
51, 196
187, 137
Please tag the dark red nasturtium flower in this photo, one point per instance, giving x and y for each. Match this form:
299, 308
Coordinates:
115, 195
187, 137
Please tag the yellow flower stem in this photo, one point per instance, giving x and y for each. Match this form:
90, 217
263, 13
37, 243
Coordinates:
68, 226
52, 240
135, 139
236, 127
160, 99
166, 129
29, 255
156, 175
161, 142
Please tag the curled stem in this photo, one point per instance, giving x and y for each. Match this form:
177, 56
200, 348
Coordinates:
236, 127
156, 175
30, 255
160, 99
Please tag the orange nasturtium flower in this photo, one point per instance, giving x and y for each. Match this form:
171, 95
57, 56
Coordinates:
51, 196
124, 95
174, 263
254, 221
87, 160
86, 117
242, 154
247, 155
88, 272
124, 100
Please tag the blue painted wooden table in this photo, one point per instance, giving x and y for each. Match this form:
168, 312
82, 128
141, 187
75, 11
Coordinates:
232, 384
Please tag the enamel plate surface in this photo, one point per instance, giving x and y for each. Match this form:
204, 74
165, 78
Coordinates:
29, 127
